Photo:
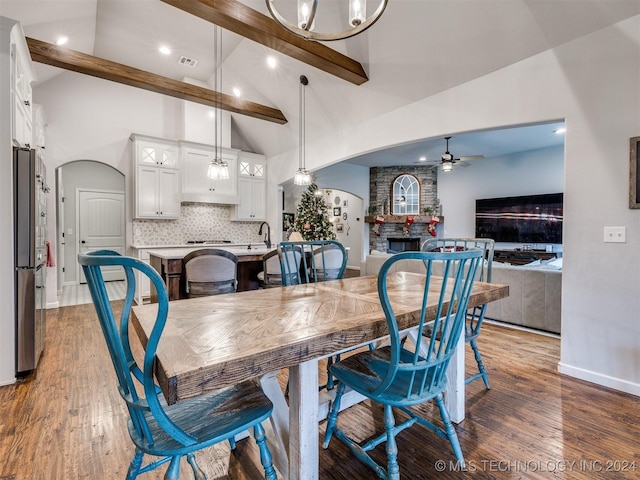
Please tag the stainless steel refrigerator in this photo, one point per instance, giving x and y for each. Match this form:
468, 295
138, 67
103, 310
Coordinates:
30, 256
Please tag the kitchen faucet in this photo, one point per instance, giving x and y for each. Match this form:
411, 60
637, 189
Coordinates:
267, 239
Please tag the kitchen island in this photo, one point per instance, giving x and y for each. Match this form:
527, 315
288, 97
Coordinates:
168, 263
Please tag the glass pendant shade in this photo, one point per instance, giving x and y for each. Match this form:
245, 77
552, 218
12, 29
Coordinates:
306, 12
302, 177
223, 170
214, 170
357, 12
447, 166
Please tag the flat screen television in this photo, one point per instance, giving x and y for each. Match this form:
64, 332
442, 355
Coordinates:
524, 219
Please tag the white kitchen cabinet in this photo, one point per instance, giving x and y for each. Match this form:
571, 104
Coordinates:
22, 76
157, 178
39, 124
196, 186
252, 188
143, 284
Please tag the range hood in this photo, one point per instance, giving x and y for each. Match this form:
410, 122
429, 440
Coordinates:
215, 199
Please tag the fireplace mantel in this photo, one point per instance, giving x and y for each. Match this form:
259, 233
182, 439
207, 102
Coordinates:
400, 218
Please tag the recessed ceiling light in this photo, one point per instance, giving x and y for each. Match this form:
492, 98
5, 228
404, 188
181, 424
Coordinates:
559, 131
237, 92
423, 159
271, 61
163, 49
62, 40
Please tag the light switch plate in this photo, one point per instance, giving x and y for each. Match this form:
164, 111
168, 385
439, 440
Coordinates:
615, 234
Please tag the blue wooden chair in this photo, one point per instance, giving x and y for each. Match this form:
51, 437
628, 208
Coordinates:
158, 429
396, 376
318, 261
475, 316
310, 262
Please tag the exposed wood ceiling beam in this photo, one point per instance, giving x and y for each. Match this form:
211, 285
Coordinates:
238, 18
57, 56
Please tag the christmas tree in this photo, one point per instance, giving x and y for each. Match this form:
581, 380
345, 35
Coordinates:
312, 217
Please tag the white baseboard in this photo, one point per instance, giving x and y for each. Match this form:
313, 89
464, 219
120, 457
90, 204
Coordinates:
520, 327
599, 379
8, 382
52, 305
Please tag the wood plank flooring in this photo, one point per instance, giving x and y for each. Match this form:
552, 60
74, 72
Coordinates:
66, 421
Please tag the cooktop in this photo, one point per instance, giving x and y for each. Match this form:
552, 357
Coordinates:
209, 241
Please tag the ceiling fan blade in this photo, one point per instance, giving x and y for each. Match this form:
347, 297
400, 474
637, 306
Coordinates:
471, 157
428, 163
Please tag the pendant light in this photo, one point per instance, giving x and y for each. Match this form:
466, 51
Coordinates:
355, 16
302, 176
218, 169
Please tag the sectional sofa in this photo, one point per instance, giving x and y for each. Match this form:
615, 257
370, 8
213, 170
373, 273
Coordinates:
535, 291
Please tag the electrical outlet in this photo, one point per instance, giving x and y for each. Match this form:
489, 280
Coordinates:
615, 234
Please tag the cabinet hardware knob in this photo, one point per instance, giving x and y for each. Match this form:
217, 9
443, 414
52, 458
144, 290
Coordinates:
26, 102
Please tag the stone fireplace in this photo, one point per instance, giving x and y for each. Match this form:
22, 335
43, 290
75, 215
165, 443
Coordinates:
380, 183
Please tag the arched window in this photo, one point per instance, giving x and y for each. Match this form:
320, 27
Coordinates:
406, 195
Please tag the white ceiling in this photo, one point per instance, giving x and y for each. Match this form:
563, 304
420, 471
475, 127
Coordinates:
417, 49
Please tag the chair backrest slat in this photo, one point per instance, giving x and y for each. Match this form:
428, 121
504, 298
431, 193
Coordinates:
426, 361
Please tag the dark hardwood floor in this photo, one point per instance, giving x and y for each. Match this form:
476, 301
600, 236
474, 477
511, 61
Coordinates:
67, 422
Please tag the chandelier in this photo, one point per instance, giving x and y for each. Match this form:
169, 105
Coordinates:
218, 169
355, 17
302, 176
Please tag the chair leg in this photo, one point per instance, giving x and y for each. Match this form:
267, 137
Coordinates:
449, 430
481, 369
173, 472
198, 474
134, 466
265, 454
393, 469
332, 419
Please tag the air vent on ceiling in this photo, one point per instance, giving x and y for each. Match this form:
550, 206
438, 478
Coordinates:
189, 62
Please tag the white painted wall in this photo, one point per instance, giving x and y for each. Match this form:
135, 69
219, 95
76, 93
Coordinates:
527, 173
592, 83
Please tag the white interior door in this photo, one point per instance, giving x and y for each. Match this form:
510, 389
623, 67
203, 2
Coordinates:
101, 226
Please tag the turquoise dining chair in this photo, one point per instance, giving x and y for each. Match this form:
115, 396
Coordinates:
168, 431
318, 261
475, 316
311, 262
398, 376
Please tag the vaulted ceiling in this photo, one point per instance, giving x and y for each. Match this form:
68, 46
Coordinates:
417, 49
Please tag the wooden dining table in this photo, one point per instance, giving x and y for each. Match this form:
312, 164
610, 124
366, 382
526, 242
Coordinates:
213, 342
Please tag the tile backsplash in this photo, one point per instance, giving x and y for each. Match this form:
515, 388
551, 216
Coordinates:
198, 221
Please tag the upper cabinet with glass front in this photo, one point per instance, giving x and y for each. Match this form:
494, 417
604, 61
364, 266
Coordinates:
23, 75
406, 195
156, 177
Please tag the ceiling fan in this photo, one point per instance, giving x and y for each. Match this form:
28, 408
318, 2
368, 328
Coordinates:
448, 160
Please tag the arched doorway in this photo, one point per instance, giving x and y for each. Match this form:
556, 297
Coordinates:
90, 204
